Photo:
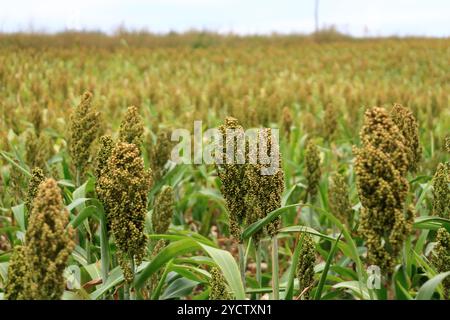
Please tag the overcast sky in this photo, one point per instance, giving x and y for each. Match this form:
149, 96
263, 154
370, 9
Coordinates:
357, 17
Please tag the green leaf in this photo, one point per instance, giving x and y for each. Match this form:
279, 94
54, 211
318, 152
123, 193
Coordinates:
258, 225
19, 216
15, 164
179, 288
431, 223
230, 270
330, 257
77, 202
171, 251
429, 287
293, 270
83, 215
355, 287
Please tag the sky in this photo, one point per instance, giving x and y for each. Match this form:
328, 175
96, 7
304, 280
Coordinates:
355, 17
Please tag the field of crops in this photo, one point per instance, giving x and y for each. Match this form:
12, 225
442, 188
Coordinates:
92, 205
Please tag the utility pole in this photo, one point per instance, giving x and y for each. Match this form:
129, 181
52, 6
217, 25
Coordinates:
316, 15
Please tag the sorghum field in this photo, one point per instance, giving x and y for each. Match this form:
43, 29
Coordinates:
93, 207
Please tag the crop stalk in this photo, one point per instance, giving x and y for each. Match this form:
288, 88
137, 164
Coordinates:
275, 282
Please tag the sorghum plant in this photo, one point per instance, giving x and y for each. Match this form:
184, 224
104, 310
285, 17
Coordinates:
287, 121
37, 177
101, 168
338, 199
132, 127
312, 169
17, 271
441, 191
218, 286
163, 210
36, 118
329, 122
305, 266
124, 189
48, 244
38, 150
406, 122
441, 257
159, 153
232, 176
83, 130
381, 165
264, 192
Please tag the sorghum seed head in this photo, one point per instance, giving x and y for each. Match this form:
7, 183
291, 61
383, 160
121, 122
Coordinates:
441, 257
232, 177
329, 122
38, 150
163, 210
312, 168
159, 153
381, 165
125, 186
37, 177
218, 286
406, 122
338, 197
36, 118
441, 191
264, 192
132, 127
83, 130
48, 244
17, 272
103, 154
305, 266
287, 121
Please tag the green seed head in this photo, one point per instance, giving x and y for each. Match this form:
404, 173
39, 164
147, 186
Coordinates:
37, 177
48, 244
232, 178
125, 186
17, 272
441, 257
406, 122
312, 168
132, 127
84, 128
38, 149
287, 121
441, 191
330, 122
219, 290
104, 152
163, 210
305, 267
36, 118
381, 165
264, 192
338, 199
159, 153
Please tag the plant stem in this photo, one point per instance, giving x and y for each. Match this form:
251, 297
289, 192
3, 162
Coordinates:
78, 177
126, 291
275, 282
242, 263
258, 266
132, 293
